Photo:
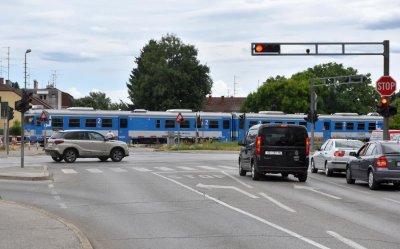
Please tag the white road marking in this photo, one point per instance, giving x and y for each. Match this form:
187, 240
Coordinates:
239, 181
227, 187
277, 203
346, 240
185, 168
207, 167
94, 170
218, 176
62, 205
51, 185
141, 169
53, 192
388, 199
57, 197
317, 191
118, 170
69, 171
266, 222
227, 167
164, 168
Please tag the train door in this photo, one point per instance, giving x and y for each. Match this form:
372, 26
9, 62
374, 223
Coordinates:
326, 130
123, 131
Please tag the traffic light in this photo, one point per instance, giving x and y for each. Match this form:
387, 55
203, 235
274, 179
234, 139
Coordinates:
383, 107
265, 48
242, 119
10, 113
23, 105
308, 118
315, 117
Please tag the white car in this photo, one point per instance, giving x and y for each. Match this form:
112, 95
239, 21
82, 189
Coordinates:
71, 144
334, 155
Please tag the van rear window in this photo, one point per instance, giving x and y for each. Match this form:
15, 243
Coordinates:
284, 136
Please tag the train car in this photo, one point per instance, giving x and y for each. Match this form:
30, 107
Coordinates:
338, 125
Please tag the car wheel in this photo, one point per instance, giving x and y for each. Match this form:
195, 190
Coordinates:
103, 158
349, 178
372, 183
70, 155
241, 171
57, 158
313, 169
284, 175
302, 177
328, 172
254, 174
116, 155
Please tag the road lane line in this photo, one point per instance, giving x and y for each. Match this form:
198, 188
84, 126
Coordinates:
266, 222
164, 168
207, 167
227, 187
185, 168
347, 241
94, 170
277, 203
317, 191
69, 171
234, 178
336, 184
388, 199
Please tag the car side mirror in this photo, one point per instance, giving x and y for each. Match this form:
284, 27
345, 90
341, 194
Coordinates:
353, 154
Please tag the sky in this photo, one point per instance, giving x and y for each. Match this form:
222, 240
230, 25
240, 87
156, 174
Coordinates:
86, 46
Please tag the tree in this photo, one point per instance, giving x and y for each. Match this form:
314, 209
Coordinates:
293, 95
97, 100
168, 75
15, 129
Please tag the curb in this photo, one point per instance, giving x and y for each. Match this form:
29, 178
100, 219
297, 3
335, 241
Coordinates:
22, 176
83, 240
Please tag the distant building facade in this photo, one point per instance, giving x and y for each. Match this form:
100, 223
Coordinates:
223, 104
55, 98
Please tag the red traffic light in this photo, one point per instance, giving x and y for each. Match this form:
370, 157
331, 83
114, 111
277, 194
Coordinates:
384, 101
265, 48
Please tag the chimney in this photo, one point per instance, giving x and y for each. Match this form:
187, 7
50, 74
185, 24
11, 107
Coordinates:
35, 84
1, 81
222, 99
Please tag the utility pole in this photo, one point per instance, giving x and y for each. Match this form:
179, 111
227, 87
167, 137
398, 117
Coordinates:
234, 86
386, 73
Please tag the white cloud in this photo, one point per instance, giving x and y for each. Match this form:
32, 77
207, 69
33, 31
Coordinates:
75, 93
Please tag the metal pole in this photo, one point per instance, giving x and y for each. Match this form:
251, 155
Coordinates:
7, 137
312, 101
386, 73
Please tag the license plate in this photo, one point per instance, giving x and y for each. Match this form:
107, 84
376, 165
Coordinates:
276, 153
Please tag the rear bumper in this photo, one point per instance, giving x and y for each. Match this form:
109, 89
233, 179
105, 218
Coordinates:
337, 165
387, 175
280, 169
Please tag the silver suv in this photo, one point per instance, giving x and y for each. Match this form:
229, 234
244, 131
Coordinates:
71, 144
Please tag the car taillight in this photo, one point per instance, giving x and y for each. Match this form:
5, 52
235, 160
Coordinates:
307, 146
339, 153
59, 141
258, 145
381, 162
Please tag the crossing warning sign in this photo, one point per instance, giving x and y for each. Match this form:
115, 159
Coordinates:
179, 118
44, 117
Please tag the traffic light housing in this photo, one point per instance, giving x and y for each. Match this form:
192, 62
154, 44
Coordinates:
10, 113
308, 117
315, 117
265, 48
24, 104
242, 119
383, 107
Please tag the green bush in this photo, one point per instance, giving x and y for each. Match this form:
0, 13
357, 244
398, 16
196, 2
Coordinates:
15, 129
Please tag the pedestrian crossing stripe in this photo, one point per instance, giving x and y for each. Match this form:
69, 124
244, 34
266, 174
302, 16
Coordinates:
94, 170
118, 170
69, 171
207, 167
185, 168
141, 169
164, 168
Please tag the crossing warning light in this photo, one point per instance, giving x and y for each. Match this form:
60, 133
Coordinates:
265, 48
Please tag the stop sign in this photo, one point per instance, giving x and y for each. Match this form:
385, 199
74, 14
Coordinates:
386, 85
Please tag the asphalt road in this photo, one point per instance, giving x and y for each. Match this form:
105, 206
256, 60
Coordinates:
197, 200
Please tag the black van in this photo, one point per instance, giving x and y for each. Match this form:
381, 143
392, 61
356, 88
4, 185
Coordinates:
275, 148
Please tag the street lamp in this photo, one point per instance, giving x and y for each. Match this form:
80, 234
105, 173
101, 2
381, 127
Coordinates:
27, 51
22, 121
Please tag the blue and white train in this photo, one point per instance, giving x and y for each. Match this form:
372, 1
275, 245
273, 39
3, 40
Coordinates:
141, 126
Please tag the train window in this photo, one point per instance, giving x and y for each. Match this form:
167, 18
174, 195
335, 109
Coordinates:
158, 123
123, 123
185, 124
290, 122
371, 126
226, 124
74, 122
57, 123
251, 123
213, 124
361, 126
278, 122
90, 122
266, 122
327, 126
349, 126
338, 126
106, 122
303, 124
169, 123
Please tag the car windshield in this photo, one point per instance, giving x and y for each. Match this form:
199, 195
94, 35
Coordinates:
391, 148
350, 144
57, 135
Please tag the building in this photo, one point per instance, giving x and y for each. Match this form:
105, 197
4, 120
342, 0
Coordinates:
222, 104
8, 96
54, 97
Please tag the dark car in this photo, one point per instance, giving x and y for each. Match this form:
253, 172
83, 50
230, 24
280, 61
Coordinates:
376, 162
275, 148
